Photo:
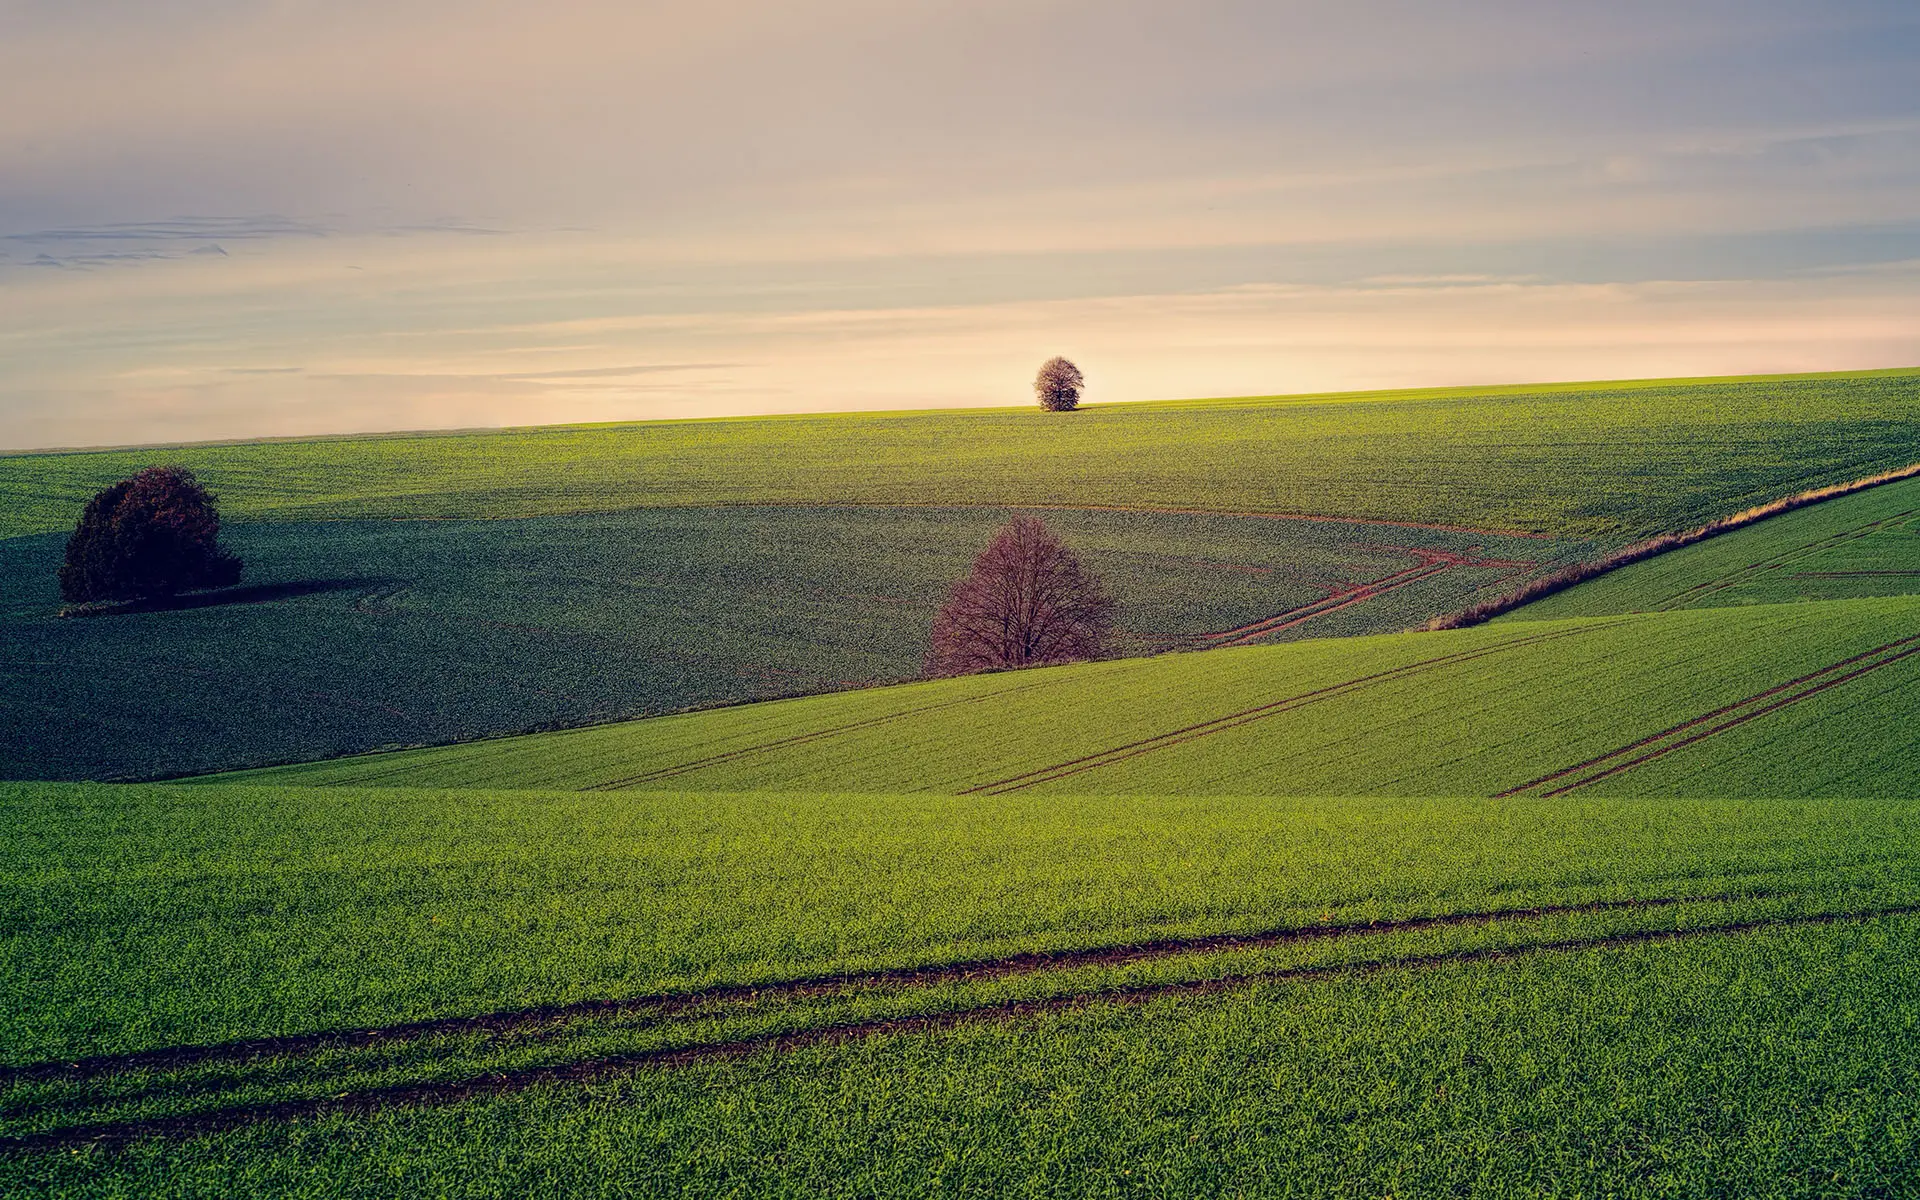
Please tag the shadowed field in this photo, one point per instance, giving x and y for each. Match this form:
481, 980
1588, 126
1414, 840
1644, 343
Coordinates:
1681, 698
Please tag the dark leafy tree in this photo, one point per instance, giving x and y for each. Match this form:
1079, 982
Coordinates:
1058, 385
1028, 602
147, 538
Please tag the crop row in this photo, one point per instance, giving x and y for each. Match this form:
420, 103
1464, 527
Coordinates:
1604, 461
1866, 544
1510, 1074
1474, 711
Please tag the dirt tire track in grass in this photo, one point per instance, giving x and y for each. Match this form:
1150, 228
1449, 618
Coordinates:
1430, 563
1259, 712
115, 1135
1657, 746
1700, 591
666, 1003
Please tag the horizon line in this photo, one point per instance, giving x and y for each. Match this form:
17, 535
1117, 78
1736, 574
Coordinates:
1435, 392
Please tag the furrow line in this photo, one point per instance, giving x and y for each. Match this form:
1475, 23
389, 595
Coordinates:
120, 1134
1235, 719
1700, 590
728, 756
1329, 604
1734, 722
1722, 711
667, 1003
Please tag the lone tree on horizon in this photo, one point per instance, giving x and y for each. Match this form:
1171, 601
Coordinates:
148, 537
1058, 385
1028, 602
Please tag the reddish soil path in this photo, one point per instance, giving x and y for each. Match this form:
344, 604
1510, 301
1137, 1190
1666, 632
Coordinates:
116, 1135
1728, 716
1428, 563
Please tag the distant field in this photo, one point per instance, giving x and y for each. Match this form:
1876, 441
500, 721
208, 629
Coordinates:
635, 570
783, 987
356, 634
1829, 688
1866, 544
1602, 461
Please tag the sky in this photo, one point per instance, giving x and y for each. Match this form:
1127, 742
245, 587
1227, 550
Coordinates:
236, 218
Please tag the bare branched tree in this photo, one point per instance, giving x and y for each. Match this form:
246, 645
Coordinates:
1028, 602
1058, 385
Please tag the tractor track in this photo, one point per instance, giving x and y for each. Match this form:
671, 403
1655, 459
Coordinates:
1700, 591
118, 1134
801, 739
1259, 712
1430, 563
169, 1058
1738, 713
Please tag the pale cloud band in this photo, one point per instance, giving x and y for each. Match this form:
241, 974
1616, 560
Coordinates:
508, 213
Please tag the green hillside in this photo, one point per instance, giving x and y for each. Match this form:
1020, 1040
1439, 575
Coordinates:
572, 576
1474, 711
401, 985
1187, 923
1866, 544
350, 635
1606, 461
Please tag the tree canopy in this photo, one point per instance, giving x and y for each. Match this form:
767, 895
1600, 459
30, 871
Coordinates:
1027, 602
150, 536
1058, 385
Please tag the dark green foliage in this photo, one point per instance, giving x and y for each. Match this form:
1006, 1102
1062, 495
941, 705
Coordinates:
148, 537
357, 634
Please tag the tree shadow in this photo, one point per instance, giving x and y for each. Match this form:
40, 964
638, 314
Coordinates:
257, 593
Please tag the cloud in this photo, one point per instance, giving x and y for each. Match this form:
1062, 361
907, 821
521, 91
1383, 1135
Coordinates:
592, 207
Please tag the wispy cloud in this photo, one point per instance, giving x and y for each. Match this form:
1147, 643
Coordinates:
470, 211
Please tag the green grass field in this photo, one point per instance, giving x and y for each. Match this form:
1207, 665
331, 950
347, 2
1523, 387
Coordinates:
1187, 924
1603, 461
791, 957
1866, 544
351, 635
644, 569
1474, 711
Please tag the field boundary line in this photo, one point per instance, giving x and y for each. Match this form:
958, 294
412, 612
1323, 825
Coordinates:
664, 1003
1811, 685
1246, 716
116, 1135
1432, 563
1685, 599
1560, 581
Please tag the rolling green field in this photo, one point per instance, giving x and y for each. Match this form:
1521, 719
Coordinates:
351, 635
1187, 923
1866, 544
1607, 461
777, 989
628, 571
1474, 711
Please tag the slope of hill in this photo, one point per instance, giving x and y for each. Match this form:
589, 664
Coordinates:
1606, 460
213, 989
361, 631
1866, 544
356, 634
1549, 706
